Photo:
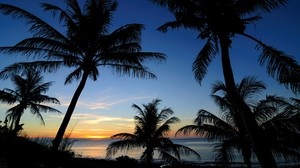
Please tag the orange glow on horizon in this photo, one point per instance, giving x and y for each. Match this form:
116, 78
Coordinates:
92, 135
96, 137
91, 131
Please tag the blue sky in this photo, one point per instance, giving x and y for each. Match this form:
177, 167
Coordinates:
105, 105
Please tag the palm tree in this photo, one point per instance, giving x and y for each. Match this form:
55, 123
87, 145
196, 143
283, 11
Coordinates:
151, 128
86, 46
231, 133
229, 130
218, 21
280, 122
291, 106
28, 93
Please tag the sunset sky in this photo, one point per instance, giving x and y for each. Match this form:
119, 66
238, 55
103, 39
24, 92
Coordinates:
104, 107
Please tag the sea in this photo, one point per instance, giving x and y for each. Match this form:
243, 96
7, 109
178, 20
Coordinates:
96, 148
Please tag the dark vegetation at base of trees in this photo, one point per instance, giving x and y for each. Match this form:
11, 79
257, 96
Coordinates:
23, 152
19, 151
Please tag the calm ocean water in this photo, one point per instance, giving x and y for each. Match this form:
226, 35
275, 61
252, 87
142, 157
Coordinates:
94, 148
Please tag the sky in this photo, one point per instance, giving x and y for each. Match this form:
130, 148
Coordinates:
104, 107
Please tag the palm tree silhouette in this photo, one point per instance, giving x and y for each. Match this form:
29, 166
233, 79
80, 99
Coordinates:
151, 128
86, 46
218, 21
28, 93
279, 119
229, 129
273, 119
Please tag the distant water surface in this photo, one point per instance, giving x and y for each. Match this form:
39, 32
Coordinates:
96, 148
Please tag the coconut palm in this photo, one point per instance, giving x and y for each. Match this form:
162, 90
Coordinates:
281, 125
28, 93
218, 21
85, 45
291, 106
152, 127
231, 133
229, 130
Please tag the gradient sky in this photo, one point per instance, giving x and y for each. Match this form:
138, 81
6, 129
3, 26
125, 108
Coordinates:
104, 107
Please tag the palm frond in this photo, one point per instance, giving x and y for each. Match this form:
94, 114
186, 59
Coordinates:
16, 68
139, 110
14, 112
27, 51
282, 67
41, 45
216, 133
173, 25
45, 99
188, 129
132, 70
164, 114
224, 152
124, 136
75, 8
40, 87
44, 108
219, 86
264, 111
75, 75
249, 87
123, 145
167, 157
177, 150
8, 96
186, 16
164, 129
206, 117
222, 103
288, 154
203, 60
127, 33
131, 58
37, 26
36, 111
247, 7
56, 10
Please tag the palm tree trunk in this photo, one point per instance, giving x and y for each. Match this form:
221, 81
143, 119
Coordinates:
61, 131
149, 156
246, 152
261, 148
17, 123
247, 161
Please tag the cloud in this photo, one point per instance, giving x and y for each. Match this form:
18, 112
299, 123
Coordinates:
5, 107
92, 119
104, 103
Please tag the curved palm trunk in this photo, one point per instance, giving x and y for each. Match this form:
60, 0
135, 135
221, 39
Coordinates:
246, 152
61, 131
247, 160
261, 148
149, 156
17, 123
